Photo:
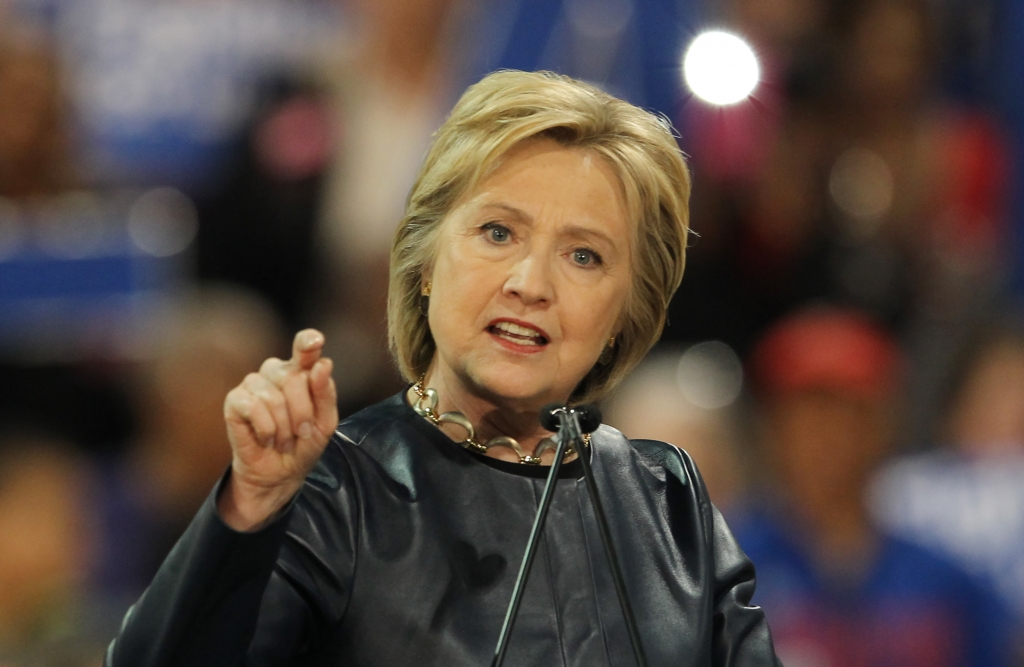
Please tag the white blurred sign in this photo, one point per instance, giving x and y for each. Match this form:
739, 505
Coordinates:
972, 510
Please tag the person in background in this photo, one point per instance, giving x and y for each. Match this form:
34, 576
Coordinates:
966, 497
839, 590
46, 547
871, 192
987, 416
34, 159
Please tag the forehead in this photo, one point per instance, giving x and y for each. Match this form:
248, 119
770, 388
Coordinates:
543, 151
542, 172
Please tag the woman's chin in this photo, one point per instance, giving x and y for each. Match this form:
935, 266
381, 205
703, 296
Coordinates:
517, 385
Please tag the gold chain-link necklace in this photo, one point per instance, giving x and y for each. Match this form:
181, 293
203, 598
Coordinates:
426, 407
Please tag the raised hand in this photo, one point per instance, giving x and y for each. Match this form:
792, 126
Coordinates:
279, 421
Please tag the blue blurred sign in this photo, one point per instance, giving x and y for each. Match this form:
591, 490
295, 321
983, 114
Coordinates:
160, 86
82, 271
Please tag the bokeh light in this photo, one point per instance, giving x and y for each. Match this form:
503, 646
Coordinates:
163, 222
720, 68
710, 375
861, 185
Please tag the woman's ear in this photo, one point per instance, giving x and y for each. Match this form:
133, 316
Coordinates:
425, 297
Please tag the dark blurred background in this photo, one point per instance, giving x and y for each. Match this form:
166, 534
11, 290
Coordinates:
184, 184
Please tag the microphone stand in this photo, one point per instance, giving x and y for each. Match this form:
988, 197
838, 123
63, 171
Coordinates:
569, 432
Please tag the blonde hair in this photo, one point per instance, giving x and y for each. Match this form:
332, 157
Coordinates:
502, 110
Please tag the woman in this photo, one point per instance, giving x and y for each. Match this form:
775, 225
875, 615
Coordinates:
540, 247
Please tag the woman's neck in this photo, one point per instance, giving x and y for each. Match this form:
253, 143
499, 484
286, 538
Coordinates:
491, 416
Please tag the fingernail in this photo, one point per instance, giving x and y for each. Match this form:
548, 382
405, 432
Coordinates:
305, 430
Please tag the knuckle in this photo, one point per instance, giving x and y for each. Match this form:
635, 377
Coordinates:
275, 402
237, 398
263, 429
265, 390
271, 366
279, 408
298, 418
252, 380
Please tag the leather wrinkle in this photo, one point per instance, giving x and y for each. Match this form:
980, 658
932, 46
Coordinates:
308, 562
309, 633
317, 577
470, 574
394, 543
321, 474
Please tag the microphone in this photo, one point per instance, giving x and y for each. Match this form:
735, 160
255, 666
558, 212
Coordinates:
588, 416
571, 424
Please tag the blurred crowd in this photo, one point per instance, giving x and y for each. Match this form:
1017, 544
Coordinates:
183, 185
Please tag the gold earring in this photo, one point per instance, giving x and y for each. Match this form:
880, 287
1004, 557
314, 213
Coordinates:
425, 299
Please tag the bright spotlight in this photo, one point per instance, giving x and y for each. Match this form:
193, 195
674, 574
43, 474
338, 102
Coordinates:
720, 68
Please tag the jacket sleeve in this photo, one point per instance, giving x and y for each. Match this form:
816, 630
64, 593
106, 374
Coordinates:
740, 632
224, 598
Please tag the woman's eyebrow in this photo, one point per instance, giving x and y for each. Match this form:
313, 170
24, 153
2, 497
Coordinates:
515, 211
583, 232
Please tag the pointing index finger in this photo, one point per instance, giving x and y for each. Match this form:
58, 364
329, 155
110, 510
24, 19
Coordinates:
306, 348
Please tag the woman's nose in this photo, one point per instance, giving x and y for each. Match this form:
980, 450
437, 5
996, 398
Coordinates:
530, 280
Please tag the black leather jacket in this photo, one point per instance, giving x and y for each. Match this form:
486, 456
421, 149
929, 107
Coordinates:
402, 549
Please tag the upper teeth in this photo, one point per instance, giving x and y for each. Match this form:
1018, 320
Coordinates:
516, 329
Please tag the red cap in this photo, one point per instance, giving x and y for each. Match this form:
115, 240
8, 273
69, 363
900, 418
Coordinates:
827, 348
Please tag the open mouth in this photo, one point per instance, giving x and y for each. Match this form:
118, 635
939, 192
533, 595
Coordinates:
517, 334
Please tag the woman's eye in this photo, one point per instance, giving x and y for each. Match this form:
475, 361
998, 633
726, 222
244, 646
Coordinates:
497, 233
585, 257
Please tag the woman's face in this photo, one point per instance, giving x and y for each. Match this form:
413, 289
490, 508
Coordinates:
532, 271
